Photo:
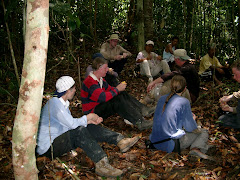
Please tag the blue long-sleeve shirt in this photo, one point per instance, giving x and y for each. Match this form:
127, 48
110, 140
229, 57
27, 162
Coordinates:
61, 122
170, 123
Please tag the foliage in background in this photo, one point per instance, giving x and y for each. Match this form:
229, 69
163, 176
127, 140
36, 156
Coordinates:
80, 27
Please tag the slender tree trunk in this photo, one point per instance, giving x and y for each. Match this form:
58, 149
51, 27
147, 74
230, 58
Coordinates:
141, 40
185, 24
235, 31
24, 19
95, 22
191, 34
90, 19
148, 19
31, 90
11, 48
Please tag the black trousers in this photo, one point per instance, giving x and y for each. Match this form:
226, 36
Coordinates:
123, 104
86, 138
117, 65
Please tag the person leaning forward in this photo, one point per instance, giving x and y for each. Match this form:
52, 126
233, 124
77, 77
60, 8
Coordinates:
66, 133
114, 53
187, 70
99, 97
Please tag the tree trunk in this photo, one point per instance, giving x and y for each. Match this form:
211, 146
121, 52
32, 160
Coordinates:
148, 19
140, 25
235, 31
95, 23
31, 90
185, 24
238, 44
191, 34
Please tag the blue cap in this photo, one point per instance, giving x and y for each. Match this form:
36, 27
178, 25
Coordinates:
97, 55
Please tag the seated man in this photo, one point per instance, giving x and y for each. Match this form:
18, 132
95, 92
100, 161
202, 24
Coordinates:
174, 125
187, 70
99, 97
209, 65
66, 133
232, 119
114, 53
111, 76
150, 63
168, 51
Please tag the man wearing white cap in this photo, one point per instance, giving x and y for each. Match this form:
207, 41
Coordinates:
114, 53
187, 70
59, 132
151, 64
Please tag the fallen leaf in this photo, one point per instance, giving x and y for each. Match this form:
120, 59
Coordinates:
172, 176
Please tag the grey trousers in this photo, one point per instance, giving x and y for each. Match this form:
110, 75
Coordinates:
195, 140
86, 138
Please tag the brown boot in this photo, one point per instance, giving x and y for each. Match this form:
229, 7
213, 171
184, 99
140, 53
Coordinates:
103, 168
126, 143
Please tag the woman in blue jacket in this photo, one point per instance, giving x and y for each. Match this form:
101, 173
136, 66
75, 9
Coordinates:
174, 123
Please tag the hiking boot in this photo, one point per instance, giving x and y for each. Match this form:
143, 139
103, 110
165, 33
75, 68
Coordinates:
148, 111
144, 124
103, 168
126, 143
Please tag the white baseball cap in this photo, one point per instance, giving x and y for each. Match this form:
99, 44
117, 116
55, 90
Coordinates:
64, 83
149, 42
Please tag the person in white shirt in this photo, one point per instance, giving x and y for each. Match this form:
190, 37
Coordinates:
59, 130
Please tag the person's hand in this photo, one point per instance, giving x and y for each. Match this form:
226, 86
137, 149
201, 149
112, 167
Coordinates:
149, 57
122, 86
194, 116
125, 55
151, 86
118, 57
221, 71
159, 58
225, 98
110, 70
93, 118
226, 107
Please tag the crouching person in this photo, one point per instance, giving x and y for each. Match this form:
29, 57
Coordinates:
58, 128
174, 125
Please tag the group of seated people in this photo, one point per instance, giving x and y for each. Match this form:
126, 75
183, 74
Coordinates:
173, 127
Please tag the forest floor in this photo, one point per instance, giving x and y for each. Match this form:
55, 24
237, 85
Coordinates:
139, 162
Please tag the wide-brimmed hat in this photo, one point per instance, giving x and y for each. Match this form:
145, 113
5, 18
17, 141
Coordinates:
181, 53
149, 42
114, 36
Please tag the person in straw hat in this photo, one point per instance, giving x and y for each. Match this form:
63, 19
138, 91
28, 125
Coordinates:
114, 53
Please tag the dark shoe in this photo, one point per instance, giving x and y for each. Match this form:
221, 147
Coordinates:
148, 111
144, 124
126, 143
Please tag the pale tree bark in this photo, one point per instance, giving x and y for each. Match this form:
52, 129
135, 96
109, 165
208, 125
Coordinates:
140, 25
31, 90
148, 19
